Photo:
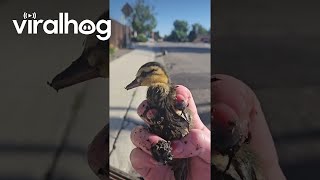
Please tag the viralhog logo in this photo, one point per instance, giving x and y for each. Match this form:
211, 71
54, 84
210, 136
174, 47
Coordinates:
61, 26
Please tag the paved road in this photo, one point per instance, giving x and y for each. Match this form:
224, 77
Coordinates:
189, 64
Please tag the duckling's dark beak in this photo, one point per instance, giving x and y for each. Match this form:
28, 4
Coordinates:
79, 71
133, 84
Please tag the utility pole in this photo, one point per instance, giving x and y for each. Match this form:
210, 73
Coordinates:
127, 11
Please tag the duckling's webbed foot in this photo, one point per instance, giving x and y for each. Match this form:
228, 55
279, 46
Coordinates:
161, 152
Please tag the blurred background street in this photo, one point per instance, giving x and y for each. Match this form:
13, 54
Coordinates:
44, 135
273, 47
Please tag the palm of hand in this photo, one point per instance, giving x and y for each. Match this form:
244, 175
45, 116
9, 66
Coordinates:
196, 146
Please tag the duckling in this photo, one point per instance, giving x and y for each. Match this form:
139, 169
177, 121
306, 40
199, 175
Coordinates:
92, 63
173, 119
165, 52
232, 158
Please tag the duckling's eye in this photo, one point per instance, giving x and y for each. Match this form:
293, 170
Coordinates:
145, 73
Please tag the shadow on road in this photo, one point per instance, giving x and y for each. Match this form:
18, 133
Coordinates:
186, 49
178, 48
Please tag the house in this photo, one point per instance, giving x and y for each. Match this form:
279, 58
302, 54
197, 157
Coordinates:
118, 34
203, 38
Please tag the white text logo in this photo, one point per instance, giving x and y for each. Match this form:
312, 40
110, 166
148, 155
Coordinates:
61, 26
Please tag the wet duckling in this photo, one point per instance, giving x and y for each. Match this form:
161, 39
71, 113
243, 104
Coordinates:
232, 157
173, 119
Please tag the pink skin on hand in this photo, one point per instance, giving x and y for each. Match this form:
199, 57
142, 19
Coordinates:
195, 145
230, 94
228, 91
180, 98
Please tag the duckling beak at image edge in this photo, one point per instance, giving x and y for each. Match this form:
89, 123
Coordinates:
133, 84
79, 71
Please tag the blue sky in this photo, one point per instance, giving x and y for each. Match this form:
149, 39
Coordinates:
193, 11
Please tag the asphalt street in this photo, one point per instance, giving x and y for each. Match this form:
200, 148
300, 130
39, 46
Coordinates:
188, 64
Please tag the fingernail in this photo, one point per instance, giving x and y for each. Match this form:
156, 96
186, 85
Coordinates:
177, 147
180, 98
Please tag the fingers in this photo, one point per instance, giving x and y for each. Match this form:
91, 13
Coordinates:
142, 139
148, 168
141, 161
238, 96
183, 93
196, 143
233, 93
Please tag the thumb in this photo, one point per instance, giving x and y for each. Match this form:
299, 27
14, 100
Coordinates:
184, 92
196, 143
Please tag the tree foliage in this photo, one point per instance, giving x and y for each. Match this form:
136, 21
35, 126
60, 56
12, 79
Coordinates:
197, 29
180, 25
142, 18
180, 31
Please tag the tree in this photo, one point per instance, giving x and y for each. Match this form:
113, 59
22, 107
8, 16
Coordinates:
142, 19
180, 25
180, 31
197, 29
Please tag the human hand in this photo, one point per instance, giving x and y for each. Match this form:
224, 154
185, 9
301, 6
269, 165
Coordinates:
228, 91
196, 145
233, 98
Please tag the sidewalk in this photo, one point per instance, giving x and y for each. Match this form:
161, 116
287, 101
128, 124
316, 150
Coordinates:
123, 105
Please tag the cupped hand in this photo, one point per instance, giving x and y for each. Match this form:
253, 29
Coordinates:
235, 98
196, 145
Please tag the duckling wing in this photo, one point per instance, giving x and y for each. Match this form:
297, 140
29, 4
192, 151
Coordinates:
170, 126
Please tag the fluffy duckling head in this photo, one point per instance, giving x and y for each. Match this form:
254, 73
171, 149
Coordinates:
150, 74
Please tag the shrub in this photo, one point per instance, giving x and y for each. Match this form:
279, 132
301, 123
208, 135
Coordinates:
141, 38
112, 50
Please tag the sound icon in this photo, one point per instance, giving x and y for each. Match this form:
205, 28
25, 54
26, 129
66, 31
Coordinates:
27, 15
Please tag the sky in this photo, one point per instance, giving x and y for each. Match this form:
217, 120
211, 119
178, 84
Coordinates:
167, 11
